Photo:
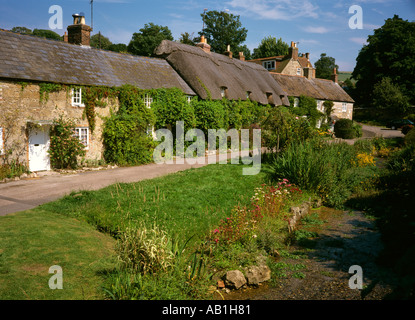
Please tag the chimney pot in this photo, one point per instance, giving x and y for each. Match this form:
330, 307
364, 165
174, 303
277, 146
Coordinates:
228, 51
203, 44
79, 33
241, 56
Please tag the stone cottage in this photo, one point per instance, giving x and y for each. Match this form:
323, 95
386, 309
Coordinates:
26, 113
291, 64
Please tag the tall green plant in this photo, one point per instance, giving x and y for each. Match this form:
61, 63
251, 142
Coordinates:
65, 148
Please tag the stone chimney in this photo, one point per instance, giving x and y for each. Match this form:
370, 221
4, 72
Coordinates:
241, 56
293, 51
65, 37
203, 44
228, 52
334, 76
79, 33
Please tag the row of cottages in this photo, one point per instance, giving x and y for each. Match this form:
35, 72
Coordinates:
27, 61
296, 75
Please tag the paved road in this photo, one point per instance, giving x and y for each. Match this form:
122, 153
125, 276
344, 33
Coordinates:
27, 194
372, 131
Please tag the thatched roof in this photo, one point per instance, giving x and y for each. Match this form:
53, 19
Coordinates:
208, 72
320, 89
32, 58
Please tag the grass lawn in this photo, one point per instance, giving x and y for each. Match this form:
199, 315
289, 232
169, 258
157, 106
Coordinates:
33, 241
66, 232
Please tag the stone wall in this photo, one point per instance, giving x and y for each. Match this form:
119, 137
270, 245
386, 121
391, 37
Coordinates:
338, 112
20, 104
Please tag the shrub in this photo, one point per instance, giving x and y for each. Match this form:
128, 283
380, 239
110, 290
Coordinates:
410, 137
319, 167
145, 250
344, 129
281, 127
406, 128
65, 148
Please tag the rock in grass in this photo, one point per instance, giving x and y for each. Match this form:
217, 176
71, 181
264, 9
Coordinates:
257, 274
234, 279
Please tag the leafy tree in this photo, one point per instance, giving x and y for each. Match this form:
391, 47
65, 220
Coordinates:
325, 66
270, 47
148, 39
21, 30
48, 34
388, 96
245, 50
100, 42
187, 38
389, 53
119, 47
223, 29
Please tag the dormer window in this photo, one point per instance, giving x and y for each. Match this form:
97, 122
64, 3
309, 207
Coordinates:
223, 92
269, 98
269, 65
77, 97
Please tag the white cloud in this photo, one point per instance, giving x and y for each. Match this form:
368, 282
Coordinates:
320, 30
361, 41
274, 9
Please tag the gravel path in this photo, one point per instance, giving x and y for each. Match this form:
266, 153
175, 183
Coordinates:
346, 239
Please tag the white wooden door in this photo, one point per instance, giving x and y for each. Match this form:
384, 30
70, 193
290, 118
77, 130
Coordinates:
39, 143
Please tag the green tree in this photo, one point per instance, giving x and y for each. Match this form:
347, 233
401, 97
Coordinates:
48, 34
245, 50
388, 96
148, 39
187, 38
119, 47
21, 30
325, 66
100, 42
223, 29
389, 53
270, 47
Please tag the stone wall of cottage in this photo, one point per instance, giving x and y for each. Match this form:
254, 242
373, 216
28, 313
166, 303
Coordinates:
339, 113
20, 104
291, 68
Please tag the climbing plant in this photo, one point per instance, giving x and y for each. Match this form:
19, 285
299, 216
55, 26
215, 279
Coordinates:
65, 148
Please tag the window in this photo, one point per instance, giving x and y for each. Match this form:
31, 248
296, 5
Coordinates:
269, 98
77, 97
296, 102
298, 71
344, 107
248, 95
189, 99
148, 100
223, 92
1, 141
319, 105
83, 135
269, 65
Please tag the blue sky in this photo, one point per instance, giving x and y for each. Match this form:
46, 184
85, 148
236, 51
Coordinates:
319, 26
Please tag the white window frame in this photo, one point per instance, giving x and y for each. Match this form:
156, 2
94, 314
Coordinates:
344, 107
319, 105
223, 91
76, 96
189, 99
148, 100
1, 141
78, 133
296, 102
298, 71
269, 65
